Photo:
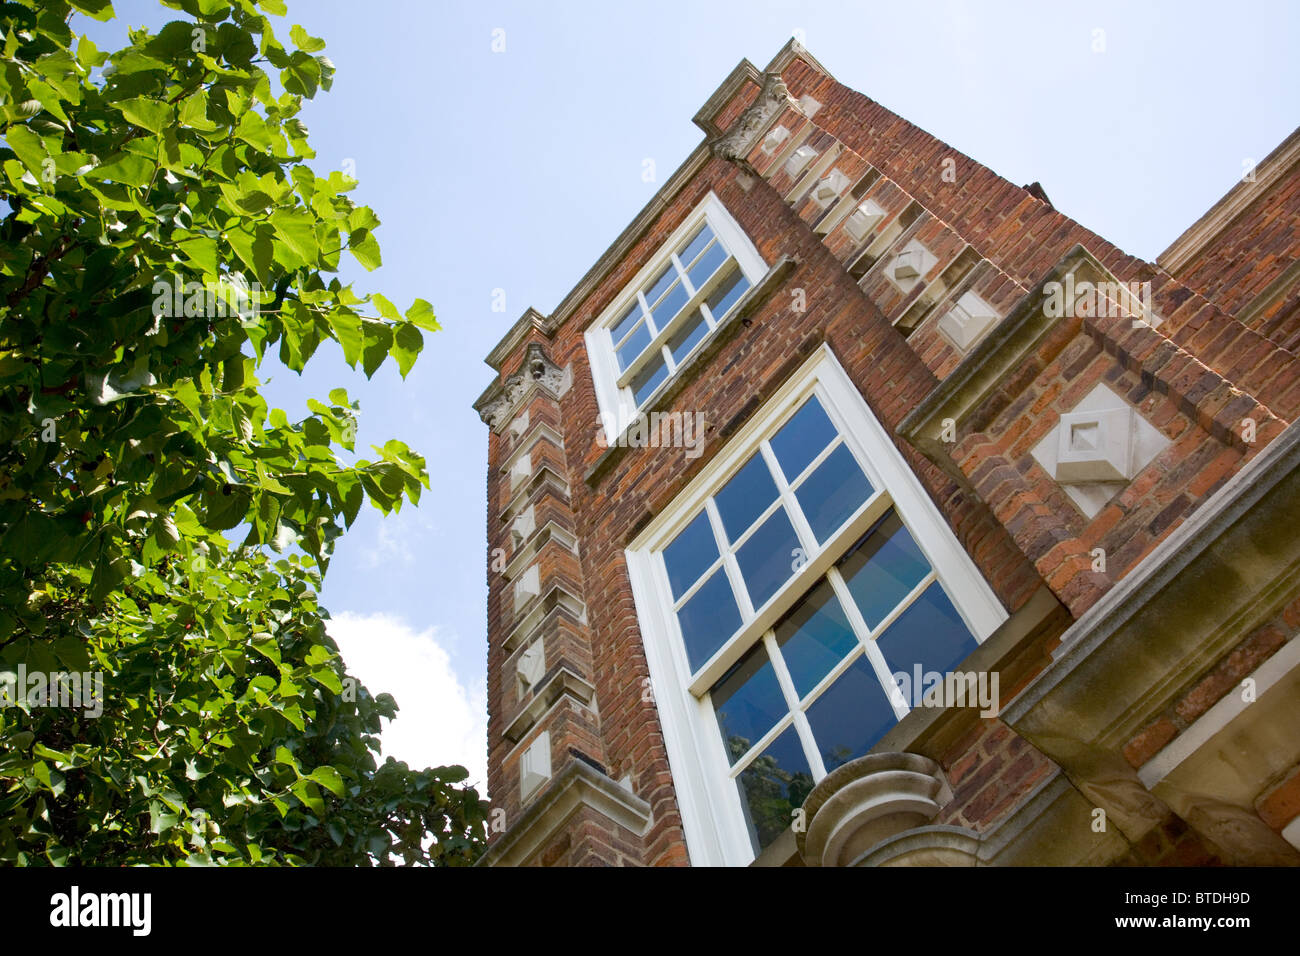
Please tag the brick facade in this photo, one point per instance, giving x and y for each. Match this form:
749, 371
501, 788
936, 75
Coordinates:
1217, 390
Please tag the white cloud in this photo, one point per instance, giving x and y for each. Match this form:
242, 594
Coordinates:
392, 543
441, 720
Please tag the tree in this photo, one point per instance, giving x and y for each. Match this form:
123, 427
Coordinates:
160, 526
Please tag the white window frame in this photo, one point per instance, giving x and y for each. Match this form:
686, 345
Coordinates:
709, 800
618, 407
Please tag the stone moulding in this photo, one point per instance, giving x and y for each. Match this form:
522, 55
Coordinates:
925, 846
578, 785
867, 800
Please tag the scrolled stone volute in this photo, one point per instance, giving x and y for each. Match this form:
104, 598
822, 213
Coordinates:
868, 800
925, 846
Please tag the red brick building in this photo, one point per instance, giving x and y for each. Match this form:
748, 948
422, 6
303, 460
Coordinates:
859, 508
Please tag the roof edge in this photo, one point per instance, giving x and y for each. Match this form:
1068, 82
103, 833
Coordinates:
744, 71
1234, 202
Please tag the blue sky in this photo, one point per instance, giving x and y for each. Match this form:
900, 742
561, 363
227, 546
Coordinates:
514, 170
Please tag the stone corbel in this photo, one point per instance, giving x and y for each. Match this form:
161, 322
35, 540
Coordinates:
497, 406
738, 142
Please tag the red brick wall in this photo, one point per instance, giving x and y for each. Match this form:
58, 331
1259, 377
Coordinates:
1195, 381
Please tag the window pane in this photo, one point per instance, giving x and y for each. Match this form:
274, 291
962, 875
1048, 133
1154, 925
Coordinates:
683, 341
745, 496
628, 320
700, 240
649, 379
773, 787
814, 638
669, 306
886, 565
634, 346
690, 554
748, 702
767, 557
708, 619
930, 633
850, 716
833, 492
802, 438
730, 289
703, 270
660, 283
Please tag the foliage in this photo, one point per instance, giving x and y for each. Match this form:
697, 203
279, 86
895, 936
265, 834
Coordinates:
164, 235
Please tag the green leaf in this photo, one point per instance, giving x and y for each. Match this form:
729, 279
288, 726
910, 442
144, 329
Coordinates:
378, 339
255, 248
28, 146
146, 113
407, 342
98, 9
307, 791
420, 314
125, 168
330, 779
304, 41
346, 326
255, 131
297, 228
365, 248
385, 307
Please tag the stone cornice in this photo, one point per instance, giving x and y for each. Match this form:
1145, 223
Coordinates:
576, 786
530, 321
745, 72
1267, 174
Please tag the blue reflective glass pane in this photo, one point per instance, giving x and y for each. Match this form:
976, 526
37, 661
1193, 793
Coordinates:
802, 438
629, 319
885, 565
745, 496
850, 716
708, 619
773, 787
669, 306
833, 492
661, 282
767, 558
690, 335
815, 637
930, 633
748, 702
703, 270
728, 291
634, 346
648, 379
690, 554
700, 240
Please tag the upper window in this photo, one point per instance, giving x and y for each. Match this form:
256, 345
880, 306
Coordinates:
675, 302
780, 593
